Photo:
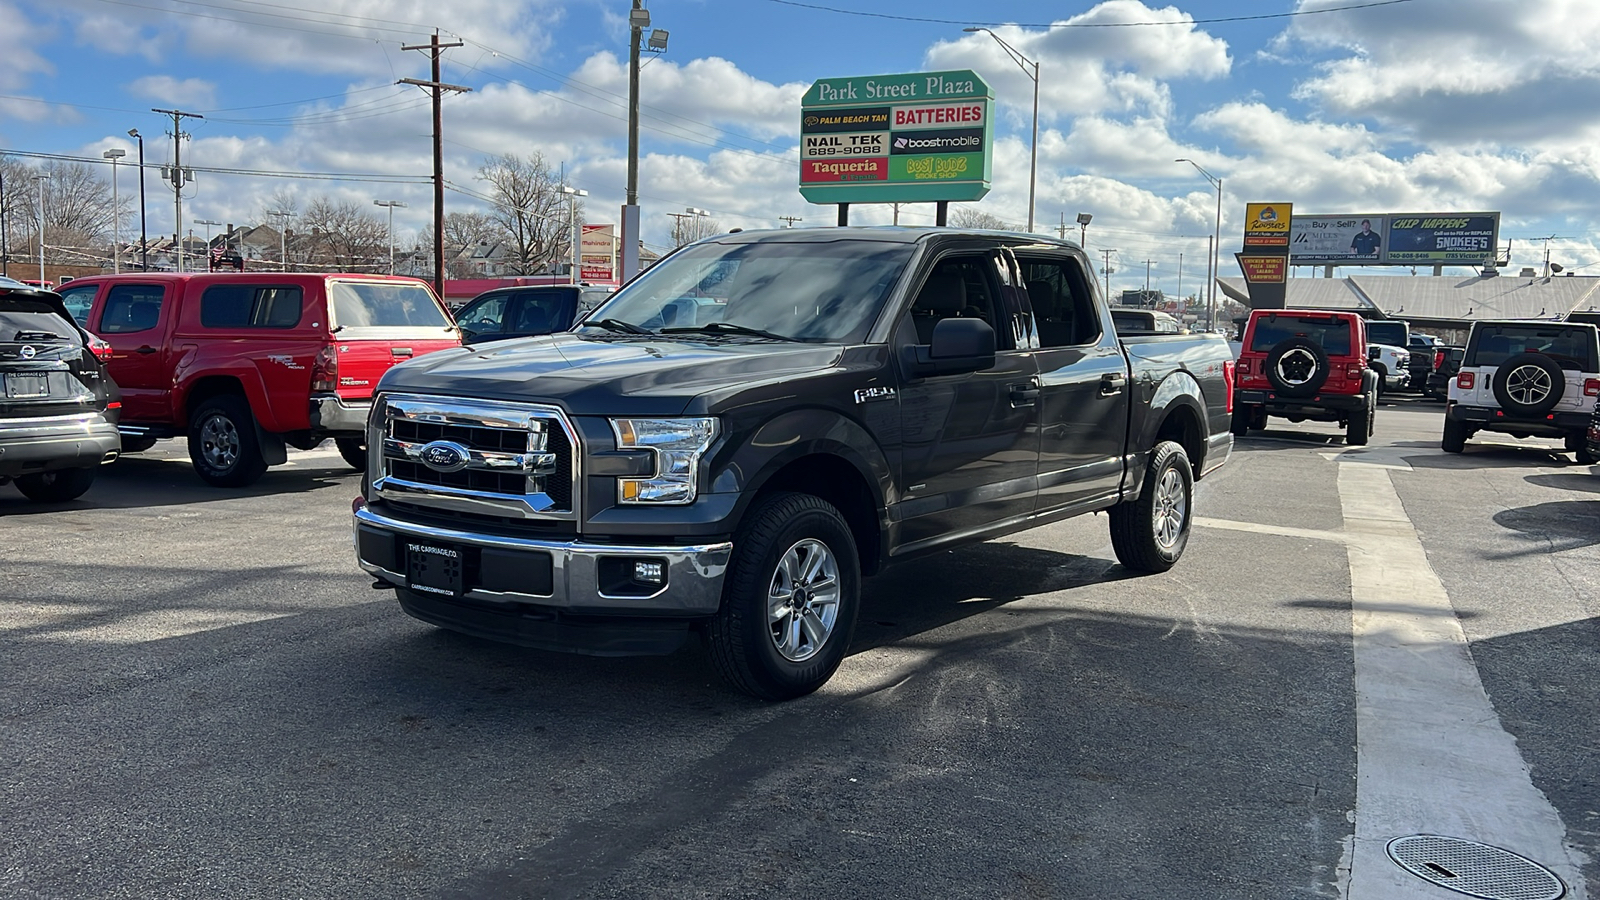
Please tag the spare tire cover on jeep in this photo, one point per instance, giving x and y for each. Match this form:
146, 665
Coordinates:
1528, 384
1297, 367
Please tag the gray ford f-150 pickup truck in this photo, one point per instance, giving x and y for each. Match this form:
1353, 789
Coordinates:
745, 431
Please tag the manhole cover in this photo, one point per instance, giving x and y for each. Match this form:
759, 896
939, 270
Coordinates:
1475, 869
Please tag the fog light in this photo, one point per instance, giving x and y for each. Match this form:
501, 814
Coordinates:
649, 572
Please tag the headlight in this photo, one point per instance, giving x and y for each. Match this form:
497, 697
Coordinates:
678, 445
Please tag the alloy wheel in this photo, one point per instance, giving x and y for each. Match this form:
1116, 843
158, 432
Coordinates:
219, 442
1171, 509
803, 600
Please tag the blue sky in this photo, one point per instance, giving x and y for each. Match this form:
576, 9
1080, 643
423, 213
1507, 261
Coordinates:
1422, 105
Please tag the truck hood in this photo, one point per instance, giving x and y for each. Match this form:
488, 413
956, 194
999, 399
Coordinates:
613, 375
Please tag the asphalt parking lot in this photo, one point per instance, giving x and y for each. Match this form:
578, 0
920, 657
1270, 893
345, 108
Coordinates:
204, 698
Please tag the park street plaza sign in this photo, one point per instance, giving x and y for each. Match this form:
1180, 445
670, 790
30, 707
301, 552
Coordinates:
909, 138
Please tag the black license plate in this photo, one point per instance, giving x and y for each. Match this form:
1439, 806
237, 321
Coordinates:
25, 387
434, 568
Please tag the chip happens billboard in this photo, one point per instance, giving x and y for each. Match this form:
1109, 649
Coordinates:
1395, 239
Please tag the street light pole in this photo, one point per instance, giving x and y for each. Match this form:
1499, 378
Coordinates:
144, 241
1213, 263
573, 235
391, 204
115, 154
1083, 229
207, 223
1033, 144
41, 178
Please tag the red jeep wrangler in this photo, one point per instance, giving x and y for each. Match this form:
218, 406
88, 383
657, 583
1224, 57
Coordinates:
244, 364
1305, 364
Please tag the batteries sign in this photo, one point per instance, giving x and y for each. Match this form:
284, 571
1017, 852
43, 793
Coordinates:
896, 138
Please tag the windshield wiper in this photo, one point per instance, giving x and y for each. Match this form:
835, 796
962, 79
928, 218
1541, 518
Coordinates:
620, 326
729, 328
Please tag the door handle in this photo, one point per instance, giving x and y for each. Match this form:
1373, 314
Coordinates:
1023, 395
146, 349
1111, 384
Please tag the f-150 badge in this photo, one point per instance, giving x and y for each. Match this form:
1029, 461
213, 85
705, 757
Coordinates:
864, 395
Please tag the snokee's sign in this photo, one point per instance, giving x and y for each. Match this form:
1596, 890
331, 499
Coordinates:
896, 138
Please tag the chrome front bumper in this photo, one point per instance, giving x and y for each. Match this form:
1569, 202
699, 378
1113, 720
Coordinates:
693, 583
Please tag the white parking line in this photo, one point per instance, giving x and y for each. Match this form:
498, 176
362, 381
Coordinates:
1431, 757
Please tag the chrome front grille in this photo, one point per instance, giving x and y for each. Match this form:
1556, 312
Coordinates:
476, 456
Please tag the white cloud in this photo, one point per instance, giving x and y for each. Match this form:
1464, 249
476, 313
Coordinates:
191, 93
1090, 70
1475, 72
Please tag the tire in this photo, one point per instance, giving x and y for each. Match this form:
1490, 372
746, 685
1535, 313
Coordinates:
1297, 367
1258, 418
787, 535
1528, 384
1240, 426
1383, 376
1455, 436
137, 444
222, 443
1359, 428
354, 451
1148, 534
58, 486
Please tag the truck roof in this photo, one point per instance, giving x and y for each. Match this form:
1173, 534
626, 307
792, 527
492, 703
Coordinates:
897, 233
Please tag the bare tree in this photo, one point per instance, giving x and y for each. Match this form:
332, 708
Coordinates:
77, 209
688, 228
528, 204
968, 217
462, 230
343, 237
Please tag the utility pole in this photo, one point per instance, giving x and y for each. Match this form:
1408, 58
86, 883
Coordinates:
437, 87
1061, 230
1180, 277
179, 176
5, 246
677, 227
1107, 273
1147, 264
788, 221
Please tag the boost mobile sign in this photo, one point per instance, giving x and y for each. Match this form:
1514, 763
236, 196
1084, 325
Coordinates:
921, 136
1390, 239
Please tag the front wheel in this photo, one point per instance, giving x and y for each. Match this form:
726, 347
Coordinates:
56, 487
354, 451
1149, 534
1455, 436
790, 599
1240, 426
223, 445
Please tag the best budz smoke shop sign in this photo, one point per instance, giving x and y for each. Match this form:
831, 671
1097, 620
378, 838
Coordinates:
923, 136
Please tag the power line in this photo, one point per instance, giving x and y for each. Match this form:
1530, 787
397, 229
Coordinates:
1287, 15
217, 170
162, 9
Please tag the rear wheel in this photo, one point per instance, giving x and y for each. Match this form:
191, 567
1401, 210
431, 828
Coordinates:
790, 599
1455, 436
354, 451
1149, 534
1240, 426
1578, 446
1359, 428
222, 443
56, 487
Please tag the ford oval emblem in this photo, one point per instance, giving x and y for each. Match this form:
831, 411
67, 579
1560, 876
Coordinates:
445, 456
28, 352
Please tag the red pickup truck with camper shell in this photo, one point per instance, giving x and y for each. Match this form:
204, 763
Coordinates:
245, 365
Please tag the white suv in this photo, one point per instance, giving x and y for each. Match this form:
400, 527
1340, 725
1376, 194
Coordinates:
1525, 379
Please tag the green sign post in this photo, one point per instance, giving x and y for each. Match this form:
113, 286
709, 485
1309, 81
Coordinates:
917, 137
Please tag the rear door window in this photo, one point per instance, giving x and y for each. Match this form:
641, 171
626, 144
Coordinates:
251, 306
1063, 306
385, 305
1571, 348
1332, 334
131, 308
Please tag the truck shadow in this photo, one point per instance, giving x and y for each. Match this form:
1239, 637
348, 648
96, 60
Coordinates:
1552, 527
1491, 456
1586, 481
138, 481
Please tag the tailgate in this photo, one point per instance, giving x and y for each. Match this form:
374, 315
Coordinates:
363, 362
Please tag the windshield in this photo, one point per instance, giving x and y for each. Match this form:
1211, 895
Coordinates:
1332, 334
809, 291
384, 305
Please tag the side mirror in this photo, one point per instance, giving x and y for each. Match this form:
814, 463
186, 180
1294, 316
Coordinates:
957, 346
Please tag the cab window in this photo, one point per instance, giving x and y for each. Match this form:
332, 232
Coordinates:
131, 308
1063, 304
959, 287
